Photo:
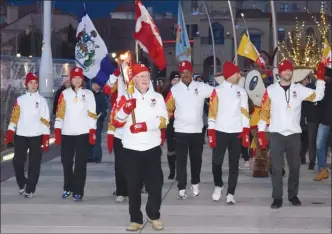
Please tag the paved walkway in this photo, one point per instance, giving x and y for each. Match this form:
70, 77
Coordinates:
99, 213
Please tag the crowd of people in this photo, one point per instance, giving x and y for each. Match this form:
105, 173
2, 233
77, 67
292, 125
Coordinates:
294, 117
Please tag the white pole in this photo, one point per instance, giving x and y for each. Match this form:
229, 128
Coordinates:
274, 28
46, 81
212, 37
245, 25
234, 32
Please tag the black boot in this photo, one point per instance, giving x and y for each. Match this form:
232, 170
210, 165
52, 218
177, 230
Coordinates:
277, 203
171, 163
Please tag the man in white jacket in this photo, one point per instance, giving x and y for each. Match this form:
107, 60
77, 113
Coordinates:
143, 115
281, 106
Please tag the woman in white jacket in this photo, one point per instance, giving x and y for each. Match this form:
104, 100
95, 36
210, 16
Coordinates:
75, 129
29, 125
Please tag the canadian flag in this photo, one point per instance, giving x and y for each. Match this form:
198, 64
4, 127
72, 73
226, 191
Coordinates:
148, 36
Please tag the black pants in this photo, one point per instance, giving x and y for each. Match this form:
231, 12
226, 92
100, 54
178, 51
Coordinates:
204, 133
78, 147
22, 144
308, 143
170, 137
231, 142
144, 167
194, 143
120, 179
245, 153
280, 144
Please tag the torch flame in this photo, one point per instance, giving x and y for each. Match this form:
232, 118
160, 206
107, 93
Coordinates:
124, 56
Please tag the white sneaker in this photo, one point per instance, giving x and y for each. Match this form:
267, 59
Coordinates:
217, 193
120, 199
195, 189
28, 195
246, 164
21, 191
230, 199
182, 194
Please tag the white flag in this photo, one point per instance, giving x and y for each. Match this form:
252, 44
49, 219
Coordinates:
90, 48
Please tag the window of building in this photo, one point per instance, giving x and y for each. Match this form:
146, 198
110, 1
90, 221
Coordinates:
194, 6
295, 7
218, 33
3, 20
267, 7
281, 34
284, 7
256, 40
192, 30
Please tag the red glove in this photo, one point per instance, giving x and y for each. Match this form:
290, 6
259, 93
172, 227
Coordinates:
92, 136
245, 137
320, 71
129, 106
212, 138
262, 142
9, 137
45, 142
110, 142
57, 135
107, 90
163, 136
138, 127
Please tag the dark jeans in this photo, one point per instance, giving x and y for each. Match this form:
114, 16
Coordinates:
245, 153
120, 162
144, 167
321, 143
170, 137
77, 147
22, 144
279, 144
308, 143
231, 142
96, 151
193, 143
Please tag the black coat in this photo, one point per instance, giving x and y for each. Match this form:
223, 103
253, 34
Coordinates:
101, 105
325, 106
309, 112
56, 98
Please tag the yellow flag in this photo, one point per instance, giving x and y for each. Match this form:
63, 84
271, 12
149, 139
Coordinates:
327, 54
247, 49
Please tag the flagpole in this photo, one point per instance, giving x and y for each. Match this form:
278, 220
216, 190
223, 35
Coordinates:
274, 28
234, 32
46, 81
212, 37
245, 25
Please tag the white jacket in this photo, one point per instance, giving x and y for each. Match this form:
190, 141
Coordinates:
187, 104
30, 116
285, 117
76, 113
228, 111
151, 109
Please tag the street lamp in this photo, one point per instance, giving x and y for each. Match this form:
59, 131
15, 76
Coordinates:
234, 32
113, 55
18, 55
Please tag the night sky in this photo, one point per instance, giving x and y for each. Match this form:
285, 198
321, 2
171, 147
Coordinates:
97, 9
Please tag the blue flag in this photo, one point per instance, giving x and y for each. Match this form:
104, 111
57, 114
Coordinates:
183, 49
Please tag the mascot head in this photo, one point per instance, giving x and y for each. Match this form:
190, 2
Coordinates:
255, 86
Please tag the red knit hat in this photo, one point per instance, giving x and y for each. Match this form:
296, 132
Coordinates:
285, 65
185, 65
230, 69
76, 71
29, 77
138, 68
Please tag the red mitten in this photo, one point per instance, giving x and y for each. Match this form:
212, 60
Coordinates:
163, 135
320, 71
107, 90
92, 136
110, 142
45, 142
212, 138
262, 142
138, 127
245, 137
57, 135
9, 137
129, 106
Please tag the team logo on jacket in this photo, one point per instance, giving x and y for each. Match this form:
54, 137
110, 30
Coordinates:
37, 105
83, 97
153, 102
294, 94
196, 91
238, 94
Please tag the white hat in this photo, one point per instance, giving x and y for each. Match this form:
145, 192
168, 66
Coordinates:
300, 74
255, 87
